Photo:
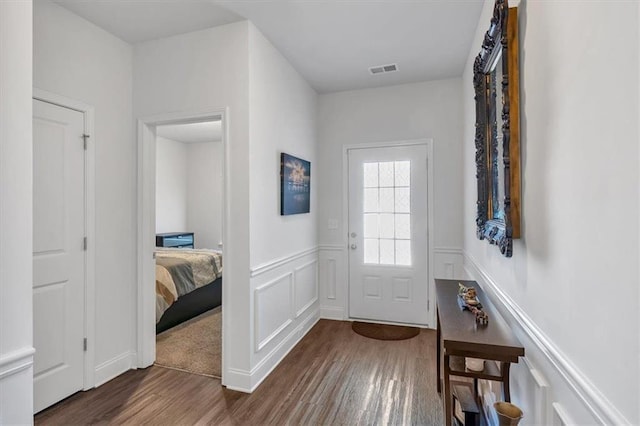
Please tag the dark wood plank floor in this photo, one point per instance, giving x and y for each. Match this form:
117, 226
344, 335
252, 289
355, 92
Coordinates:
333, 376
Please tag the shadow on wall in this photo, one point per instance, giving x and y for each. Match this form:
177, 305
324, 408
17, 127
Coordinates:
534, 178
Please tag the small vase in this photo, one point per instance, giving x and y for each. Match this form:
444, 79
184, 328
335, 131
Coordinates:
508, 413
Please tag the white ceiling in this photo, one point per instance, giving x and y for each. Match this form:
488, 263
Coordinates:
208, 131
140, 20
332, 43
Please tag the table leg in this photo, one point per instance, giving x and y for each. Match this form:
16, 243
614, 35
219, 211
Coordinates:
505, 381
438, 354
446, 396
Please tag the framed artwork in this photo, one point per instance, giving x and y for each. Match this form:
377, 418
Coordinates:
295, 185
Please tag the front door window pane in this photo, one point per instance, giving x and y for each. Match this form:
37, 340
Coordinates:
387, 213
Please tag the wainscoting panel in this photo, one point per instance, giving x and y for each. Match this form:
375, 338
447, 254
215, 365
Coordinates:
16, 378
333, 282
285, 307
273, 310
448, 263
305, 278
546, 374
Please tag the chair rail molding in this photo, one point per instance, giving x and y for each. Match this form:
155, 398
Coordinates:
16, 361
275, 263
593, 400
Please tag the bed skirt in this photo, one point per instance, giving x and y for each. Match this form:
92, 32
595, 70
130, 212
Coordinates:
191, 305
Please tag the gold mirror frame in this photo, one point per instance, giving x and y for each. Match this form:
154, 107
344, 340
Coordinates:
498, 217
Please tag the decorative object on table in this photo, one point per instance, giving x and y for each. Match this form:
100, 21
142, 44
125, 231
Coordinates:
295, 185
497, 136
508, 414
468, 300
474, 364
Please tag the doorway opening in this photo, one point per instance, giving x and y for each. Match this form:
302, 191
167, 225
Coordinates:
182, 183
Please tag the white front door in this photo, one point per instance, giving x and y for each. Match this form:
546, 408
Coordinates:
388, 234
58, 252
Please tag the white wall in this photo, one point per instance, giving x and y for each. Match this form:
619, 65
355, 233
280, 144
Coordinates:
78, 60
411, 111
166, 80
204, 193
284, 285
16, 166
571, 288
171, 186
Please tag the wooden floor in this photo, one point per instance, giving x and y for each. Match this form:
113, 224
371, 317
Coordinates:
333, 376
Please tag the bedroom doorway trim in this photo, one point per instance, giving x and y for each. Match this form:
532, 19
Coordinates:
146, 184
428, 142
90, 223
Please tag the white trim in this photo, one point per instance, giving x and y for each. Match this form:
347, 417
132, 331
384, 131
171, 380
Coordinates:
258, 345
335, 313
598, 404
88, 112
295, 287
448, 250
114, 367
145, 306
331, 247
15, 362
248, 381
560, 415
262, 370
273, 264
428, 142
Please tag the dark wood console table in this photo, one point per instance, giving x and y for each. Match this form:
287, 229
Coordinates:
460, 337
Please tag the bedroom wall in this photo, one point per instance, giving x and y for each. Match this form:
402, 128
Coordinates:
165, 80
204, 193
78, 60
284, 286
411, 111
171, 185
16, 167
571, 288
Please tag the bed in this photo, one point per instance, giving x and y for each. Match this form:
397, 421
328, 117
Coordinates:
188, 283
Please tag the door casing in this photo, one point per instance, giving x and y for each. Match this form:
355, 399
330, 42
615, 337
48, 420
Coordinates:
146, 181
428, 142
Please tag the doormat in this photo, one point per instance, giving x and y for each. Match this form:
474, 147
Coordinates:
383, 331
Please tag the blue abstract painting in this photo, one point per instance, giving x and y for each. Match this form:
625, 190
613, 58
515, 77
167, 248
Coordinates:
295, 191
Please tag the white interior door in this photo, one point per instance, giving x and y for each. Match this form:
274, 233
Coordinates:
388, 278
58, 252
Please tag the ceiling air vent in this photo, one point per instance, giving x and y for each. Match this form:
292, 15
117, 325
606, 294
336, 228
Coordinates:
381, 69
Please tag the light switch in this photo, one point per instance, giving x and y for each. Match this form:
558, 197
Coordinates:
332, 224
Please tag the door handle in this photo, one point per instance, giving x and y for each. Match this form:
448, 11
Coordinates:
353, 246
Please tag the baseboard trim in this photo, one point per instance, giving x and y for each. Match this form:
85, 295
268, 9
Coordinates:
273, 264
16, 361
262, 370
332, 313
598, 405
114, 367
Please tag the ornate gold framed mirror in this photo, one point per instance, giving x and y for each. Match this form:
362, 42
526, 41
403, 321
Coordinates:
497, 139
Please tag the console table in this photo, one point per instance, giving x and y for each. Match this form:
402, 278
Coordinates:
459, 336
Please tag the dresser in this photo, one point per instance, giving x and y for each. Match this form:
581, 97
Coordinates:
175, 240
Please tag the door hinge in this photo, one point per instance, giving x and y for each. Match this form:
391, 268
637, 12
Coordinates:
85, 137
84, 344
84, 244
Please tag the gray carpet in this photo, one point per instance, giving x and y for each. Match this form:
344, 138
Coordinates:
194, 346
